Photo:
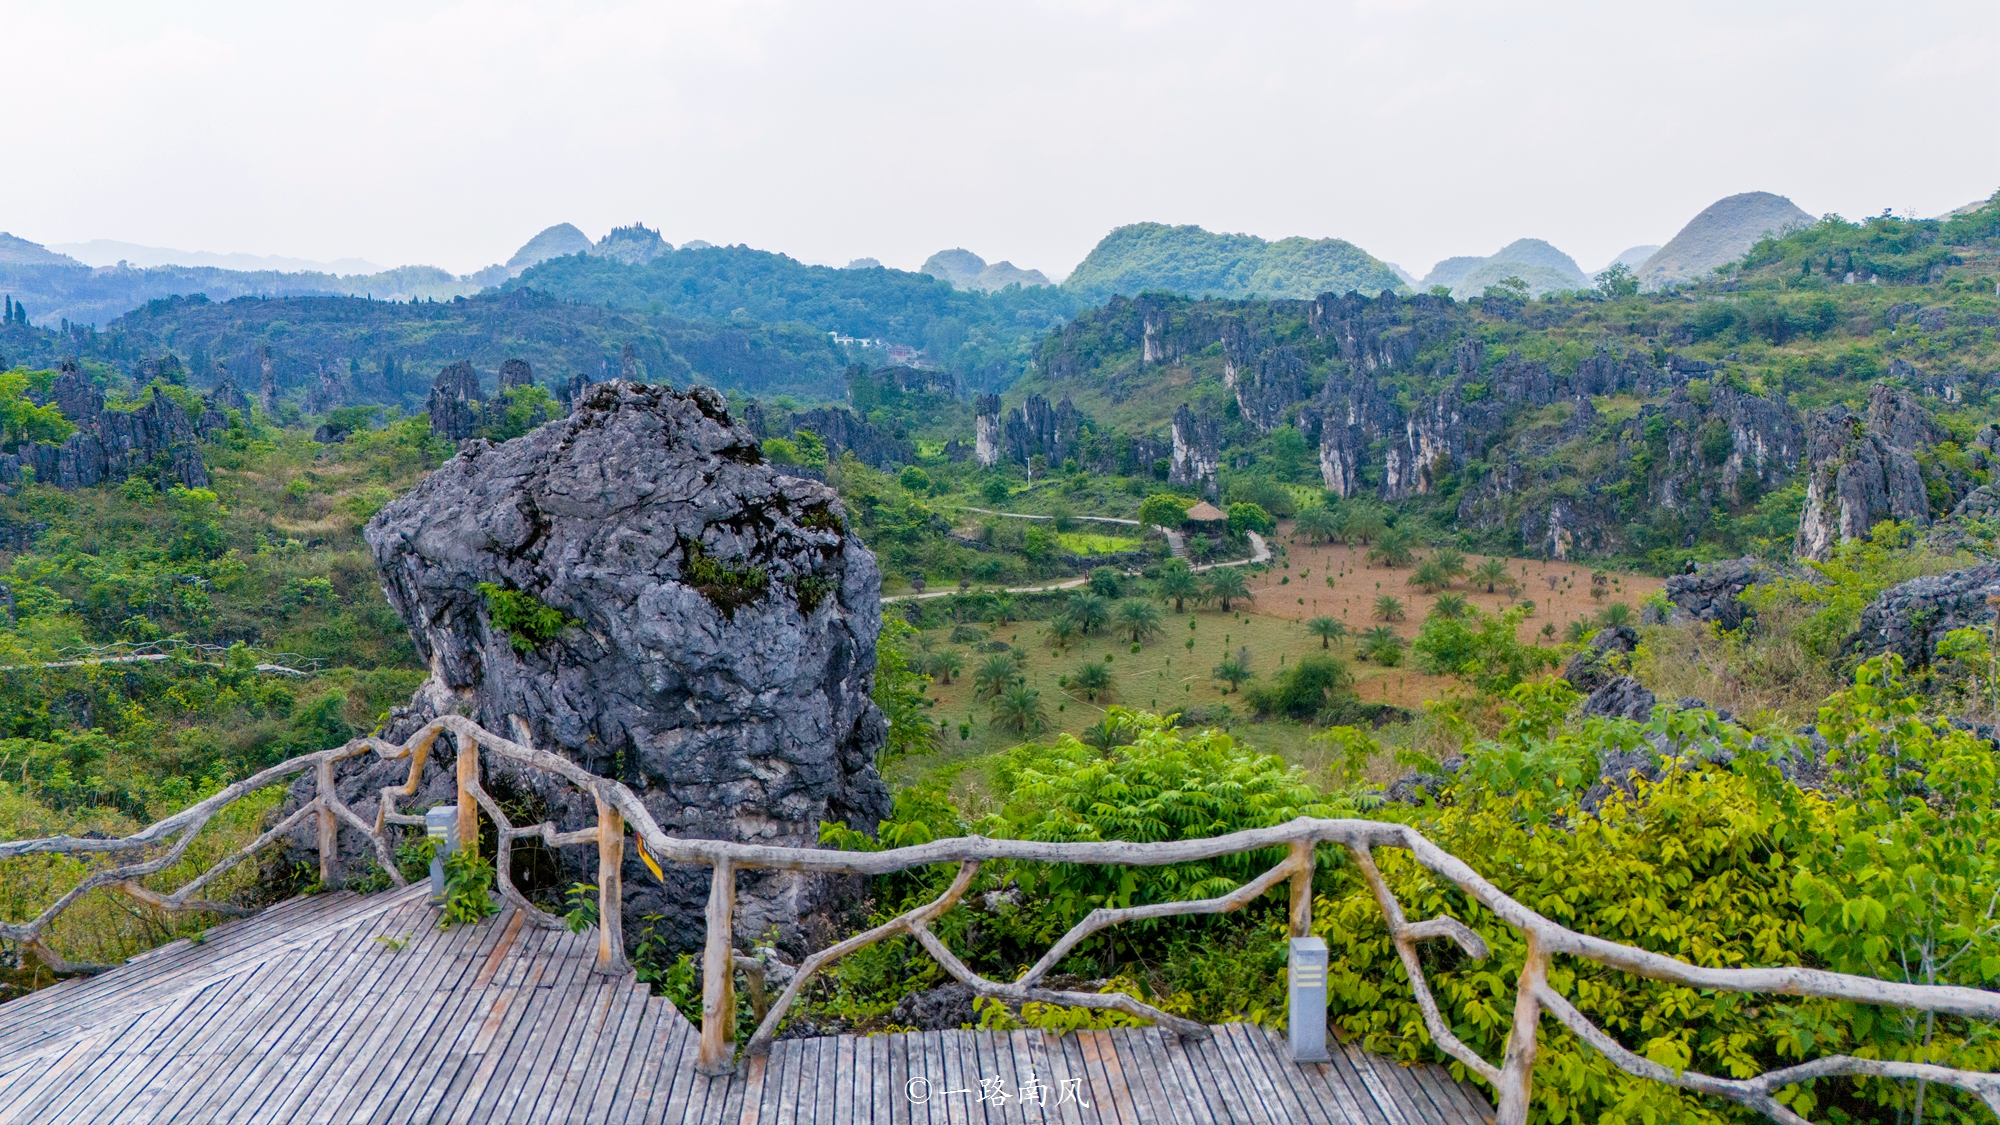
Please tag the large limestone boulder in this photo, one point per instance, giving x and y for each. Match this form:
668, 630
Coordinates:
1864, 470
720, 645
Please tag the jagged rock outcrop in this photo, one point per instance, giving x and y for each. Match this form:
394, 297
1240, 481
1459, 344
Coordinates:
1620, 698
1197, 453
1714, 591
721, 645
1909, 620
1607, 657
1864, 470
456, 405
987, 434
516, 372
111, 445
844, 431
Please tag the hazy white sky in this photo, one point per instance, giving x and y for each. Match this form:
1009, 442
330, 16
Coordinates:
449, 133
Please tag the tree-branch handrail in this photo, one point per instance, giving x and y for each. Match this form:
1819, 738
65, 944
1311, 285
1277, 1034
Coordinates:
620, 810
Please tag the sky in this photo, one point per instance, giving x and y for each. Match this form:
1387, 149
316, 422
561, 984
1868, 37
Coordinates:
449, 133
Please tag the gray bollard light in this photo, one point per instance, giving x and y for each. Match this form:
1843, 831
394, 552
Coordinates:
1307, 969
440, 824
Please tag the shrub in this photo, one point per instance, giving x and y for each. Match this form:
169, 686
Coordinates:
1305, 689
528, 623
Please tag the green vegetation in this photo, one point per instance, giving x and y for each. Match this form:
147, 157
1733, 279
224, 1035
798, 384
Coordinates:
1144, 257
528, 623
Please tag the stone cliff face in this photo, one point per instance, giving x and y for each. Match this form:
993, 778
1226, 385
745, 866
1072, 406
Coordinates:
1197, 452
1863, 470
111, 445
722, 640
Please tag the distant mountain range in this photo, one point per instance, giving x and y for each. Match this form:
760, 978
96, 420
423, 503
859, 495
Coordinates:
1545, 269
110, 252
966, 270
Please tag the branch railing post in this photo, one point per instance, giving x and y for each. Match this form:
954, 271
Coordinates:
1517, 1067
610, 891
468, 784
1302, 889
329, 826
718, 975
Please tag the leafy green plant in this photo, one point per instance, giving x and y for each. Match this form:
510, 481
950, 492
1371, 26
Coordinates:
528, 623
468, 883
582, 912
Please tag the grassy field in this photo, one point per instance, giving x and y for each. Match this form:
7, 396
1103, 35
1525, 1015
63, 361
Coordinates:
1175, 671
1091, 543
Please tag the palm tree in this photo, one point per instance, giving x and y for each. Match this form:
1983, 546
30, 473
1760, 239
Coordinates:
1226, 583
1363, 523
1089, 611
1001, 611
1450, 562
1327, 630
1316, 523
1389, 608
1492, 573
1452, 606
1140, 619
1382, 645
1019, 709
1177, 583
1235, 669
1391, 549
1430, 577
1093, 679
1107, 735
1061, 629
1579, 631
995, 676
945, 664
1617, 613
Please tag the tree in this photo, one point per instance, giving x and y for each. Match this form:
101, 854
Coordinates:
1305, 689
1177, 583
1389, 608
1061, 629
1450, 562
1247, 517
1317, 523
1106, 582
1451, 606
1234, 669
1391, 549
1506, 289
1362, 524
1327, 630
1139, 619
945, 664
1617, 613
1038, 465
1429, 577
1019, 709
1164, 509
1092, 679
994, 490
1110, 732
1225, 584
1382, 645
1618, 281
995, 676
1492, 573
1089, 611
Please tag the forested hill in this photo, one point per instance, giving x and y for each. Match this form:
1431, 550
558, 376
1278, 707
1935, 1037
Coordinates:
1146, 257
382, 352
1611, 422
986, 338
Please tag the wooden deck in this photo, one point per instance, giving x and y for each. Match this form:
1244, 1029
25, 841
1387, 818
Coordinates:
345, 1009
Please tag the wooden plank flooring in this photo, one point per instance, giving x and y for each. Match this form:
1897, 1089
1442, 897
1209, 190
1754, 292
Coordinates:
344, 1009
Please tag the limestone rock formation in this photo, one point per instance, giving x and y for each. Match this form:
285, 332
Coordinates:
1864, 470
1909, 620
1622, 698
456, 404
844, 431
1607, 657
1714, 591
720, 645
1197, 452
111, 445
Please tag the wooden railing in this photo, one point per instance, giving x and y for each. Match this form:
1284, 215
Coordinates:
619, 810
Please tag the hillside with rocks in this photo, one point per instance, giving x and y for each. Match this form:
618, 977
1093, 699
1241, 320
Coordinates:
1544, 268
